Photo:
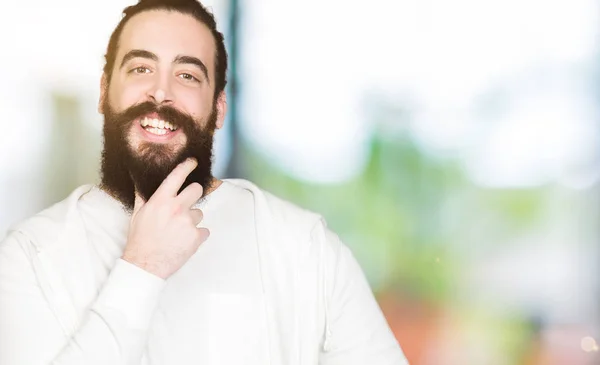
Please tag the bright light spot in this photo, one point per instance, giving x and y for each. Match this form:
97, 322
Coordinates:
588, 344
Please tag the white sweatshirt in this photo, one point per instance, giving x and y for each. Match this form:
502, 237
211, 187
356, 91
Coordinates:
272, 285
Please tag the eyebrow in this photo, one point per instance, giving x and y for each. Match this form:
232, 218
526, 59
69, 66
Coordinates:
180, 59
135, 53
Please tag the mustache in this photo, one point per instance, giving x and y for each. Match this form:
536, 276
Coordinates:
167, 113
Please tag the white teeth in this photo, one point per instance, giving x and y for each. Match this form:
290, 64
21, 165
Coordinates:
157, 131
157, 124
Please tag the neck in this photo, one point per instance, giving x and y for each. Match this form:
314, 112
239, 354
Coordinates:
214, 184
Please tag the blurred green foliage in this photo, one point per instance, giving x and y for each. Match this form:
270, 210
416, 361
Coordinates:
388, 215
406, 215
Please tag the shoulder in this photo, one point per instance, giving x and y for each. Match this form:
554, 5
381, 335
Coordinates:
298, 231
281, 212
45, 227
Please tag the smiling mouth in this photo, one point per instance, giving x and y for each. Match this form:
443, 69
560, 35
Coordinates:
157, 126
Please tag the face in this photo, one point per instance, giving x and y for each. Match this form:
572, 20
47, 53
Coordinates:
159, 104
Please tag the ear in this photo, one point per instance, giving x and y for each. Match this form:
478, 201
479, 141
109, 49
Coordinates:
103, 92
221, 109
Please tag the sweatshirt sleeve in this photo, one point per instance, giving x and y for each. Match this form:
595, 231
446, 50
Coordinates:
113, 330
356, 330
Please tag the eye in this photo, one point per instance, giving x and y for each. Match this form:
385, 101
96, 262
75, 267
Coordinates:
188, 77
140, 70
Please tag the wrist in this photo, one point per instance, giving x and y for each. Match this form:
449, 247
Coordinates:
144, 264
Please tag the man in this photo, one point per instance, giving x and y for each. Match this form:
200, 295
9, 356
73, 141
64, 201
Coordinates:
127, 272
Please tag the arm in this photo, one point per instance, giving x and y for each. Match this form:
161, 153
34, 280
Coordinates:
163, 235
113, 330
358, 331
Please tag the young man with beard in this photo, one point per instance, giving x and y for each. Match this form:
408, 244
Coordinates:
126, 273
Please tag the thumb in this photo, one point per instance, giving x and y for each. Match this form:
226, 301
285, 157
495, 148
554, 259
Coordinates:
137, 204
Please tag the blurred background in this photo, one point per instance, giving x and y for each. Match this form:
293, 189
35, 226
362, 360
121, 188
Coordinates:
453, 145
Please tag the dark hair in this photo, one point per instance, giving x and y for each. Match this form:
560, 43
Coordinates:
189, 7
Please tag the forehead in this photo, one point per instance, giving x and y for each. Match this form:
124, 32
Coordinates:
168, 34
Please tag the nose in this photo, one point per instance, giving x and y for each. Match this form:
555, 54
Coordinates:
160, 93
159, 96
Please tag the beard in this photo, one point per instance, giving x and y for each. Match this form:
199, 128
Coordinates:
125, 170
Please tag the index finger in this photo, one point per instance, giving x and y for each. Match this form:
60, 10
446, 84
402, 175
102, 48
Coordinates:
171, 184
